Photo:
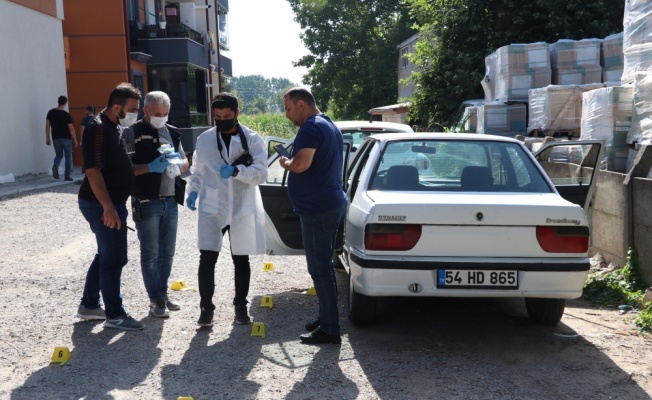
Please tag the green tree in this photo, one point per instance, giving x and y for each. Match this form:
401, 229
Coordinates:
457, 35
353, 61
260, 93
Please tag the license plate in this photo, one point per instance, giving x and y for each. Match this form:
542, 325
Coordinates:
457, 279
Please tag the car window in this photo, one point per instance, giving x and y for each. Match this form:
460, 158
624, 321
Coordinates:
453, 165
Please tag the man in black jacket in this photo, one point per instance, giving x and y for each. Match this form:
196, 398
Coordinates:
153, 204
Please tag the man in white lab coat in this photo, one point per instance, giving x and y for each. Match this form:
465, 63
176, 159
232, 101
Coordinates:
228, 164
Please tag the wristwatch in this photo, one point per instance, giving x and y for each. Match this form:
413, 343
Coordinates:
235, 172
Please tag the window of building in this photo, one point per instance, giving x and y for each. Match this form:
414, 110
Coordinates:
404, 60
186, 86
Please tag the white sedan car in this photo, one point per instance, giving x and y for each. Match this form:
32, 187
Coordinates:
486, 220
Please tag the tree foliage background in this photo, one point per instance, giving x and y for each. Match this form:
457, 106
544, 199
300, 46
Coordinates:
457, 35
259, 95
354, 55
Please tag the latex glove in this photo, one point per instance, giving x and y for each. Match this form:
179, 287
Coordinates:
190, 201
226, 171
158, 165
173, 155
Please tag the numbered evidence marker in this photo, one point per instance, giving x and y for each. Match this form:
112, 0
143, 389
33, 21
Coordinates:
268, 266
61, 355
258, 329
267, 301
311, 292
179, 285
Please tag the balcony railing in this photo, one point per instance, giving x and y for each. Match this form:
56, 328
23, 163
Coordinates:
178, 30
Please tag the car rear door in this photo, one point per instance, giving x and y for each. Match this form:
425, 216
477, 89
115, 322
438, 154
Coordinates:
282, 225
572, 167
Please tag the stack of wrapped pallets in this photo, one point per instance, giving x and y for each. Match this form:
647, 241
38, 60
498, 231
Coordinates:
501, 119
514, 69
557, 108
607, 114
611, 58
576, 62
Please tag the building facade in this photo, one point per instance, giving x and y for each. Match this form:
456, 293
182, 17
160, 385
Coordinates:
33, 77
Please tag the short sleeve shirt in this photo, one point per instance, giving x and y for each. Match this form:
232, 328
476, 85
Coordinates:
319, 188
59, 120
103, 147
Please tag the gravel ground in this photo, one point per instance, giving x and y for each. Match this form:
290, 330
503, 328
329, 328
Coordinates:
420, 348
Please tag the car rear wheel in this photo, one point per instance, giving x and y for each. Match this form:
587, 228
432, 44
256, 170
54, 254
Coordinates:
545, 311
362, 309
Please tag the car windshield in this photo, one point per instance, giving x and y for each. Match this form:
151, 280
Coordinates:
456, 165
358, 135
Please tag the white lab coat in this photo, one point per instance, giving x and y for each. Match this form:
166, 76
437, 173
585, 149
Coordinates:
233, 201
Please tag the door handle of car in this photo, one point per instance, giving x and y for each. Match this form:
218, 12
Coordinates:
289, 217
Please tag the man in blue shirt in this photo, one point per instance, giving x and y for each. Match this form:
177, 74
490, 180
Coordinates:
315, 189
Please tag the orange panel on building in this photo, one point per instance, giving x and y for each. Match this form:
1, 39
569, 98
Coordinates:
93, 17
97, 53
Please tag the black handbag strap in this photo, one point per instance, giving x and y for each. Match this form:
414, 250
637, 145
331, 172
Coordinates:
245, 145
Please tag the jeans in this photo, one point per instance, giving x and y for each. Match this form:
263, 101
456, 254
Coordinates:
206, 277
319, 233
104, 273
63, 147
157, 233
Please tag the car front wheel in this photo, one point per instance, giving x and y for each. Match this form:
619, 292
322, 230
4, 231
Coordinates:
545, 311
362, 309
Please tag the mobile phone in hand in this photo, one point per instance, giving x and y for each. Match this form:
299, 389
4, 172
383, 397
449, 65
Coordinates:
282, 150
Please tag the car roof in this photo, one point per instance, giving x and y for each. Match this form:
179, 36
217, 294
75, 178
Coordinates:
373, 124
442, 135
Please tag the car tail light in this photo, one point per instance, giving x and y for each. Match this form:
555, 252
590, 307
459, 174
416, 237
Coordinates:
563, 239
391, 236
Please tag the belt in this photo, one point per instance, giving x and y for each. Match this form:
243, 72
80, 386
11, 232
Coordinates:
155, 198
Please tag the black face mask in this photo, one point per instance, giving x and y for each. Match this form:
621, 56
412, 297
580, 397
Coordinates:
224, 125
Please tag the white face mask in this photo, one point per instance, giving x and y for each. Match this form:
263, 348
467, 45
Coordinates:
158, 122
129, 119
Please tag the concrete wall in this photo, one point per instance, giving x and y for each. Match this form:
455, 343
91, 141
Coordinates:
621, 216
33, 76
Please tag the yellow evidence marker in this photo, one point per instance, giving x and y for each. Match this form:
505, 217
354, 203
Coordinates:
61, 355
179, 285
311, 292
267, 301
185, 398
258, 329
268, 266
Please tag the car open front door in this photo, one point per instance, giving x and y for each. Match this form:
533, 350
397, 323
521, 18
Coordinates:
282, 225
572, 167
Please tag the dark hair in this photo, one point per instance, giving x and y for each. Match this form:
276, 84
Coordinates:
90, 109
62, 100
225, 100
121, 93
298, 93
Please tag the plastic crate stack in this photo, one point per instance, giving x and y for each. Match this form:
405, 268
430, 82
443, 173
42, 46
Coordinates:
607, 115
514, 69
576, 62
557, 108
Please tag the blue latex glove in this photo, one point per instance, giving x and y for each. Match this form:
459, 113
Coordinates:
173, 155
158, 165
226, 171
190, 201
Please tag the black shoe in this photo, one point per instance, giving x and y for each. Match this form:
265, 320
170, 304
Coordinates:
205, 318
319, 337
311, 326
55, 173
241, 316
68, 178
